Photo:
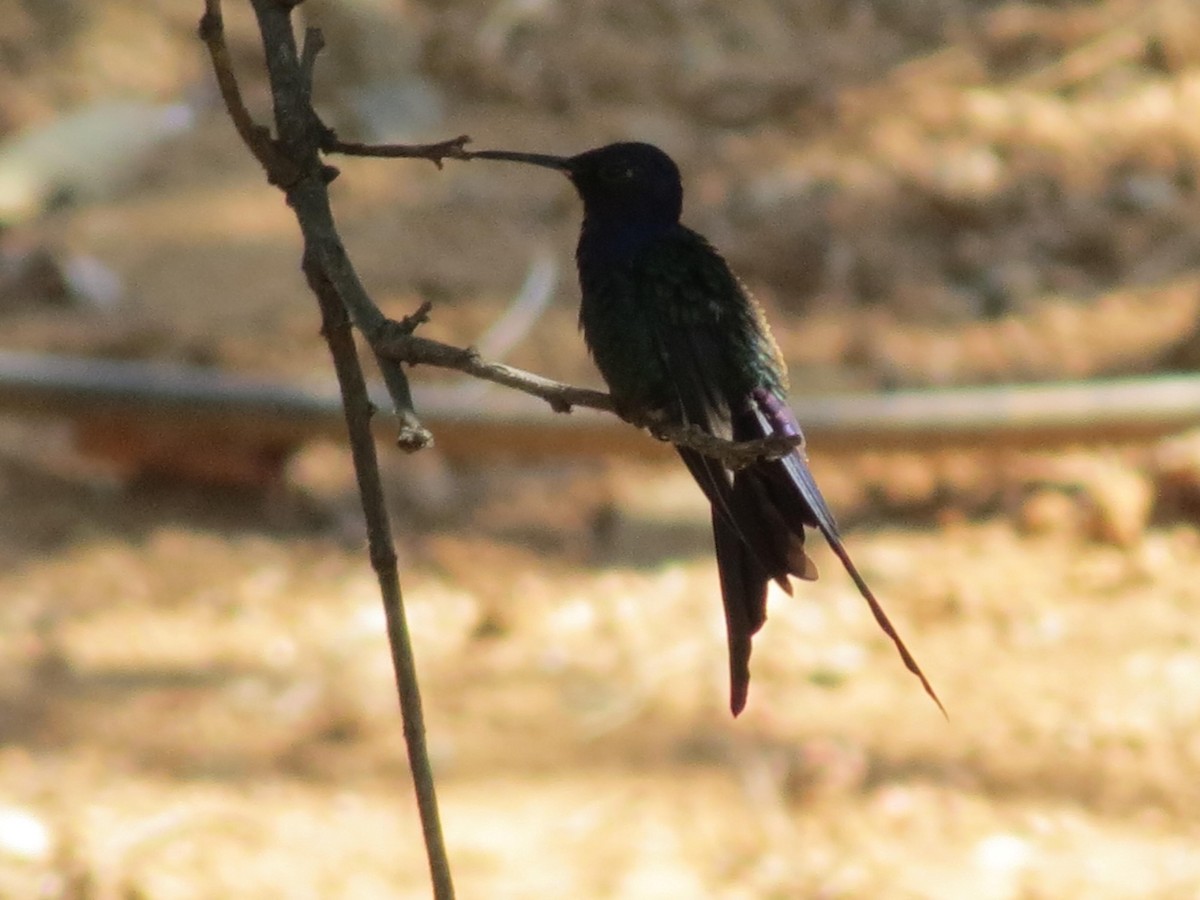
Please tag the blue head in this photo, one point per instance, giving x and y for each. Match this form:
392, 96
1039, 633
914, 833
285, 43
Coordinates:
628, 183
631, 191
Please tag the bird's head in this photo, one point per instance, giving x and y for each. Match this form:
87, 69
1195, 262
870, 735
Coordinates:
627, 182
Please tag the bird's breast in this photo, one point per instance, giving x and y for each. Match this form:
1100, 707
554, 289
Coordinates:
623, 338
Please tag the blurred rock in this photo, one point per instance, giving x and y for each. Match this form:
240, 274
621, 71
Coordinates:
368, 84
35, 277
1143, 192
92, 283
1003, 855
1106, 498
822, 768
1048, 511
1007, 286
30, 278
23, 835
87, 154
1122, 499
396, 110
963, 182
365, 40
1175, 464
778, 229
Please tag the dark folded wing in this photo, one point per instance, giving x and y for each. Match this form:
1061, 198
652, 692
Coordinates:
726, 378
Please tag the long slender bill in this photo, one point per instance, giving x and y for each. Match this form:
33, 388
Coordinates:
545, 160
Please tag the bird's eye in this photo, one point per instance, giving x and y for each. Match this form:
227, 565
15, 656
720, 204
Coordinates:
617, 172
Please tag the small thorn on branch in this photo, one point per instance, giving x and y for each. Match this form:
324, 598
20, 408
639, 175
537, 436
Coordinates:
415, 319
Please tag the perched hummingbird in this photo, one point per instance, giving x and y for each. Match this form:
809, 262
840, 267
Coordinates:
679, 339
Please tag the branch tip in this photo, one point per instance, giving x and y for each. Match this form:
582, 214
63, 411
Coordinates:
413, 438
314, 41
211, 25
414, 320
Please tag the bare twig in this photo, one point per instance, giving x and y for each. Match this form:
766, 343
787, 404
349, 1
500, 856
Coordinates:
314, 43
732, 454
292, 161
435, 153
280, 170
415, 350
335, 326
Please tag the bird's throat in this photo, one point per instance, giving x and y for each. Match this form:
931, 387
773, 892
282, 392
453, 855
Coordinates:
609, 242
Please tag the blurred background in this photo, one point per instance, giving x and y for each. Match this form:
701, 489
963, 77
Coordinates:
195, 693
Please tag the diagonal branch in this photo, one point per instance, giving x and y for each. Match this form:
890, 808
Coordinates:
335, 326
401, 345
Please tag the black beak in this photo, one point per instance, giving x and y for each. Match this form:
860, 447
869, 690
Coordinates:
561, 163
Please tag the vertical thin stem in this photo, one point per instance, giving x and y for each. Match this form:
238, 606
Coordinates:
335, 326
293, 163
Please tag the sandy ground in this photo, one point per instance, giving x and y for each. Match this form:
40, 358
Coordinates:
202, 707
195, 693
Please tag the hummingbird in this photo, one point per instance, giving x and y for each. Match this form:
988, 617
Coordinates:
679, 339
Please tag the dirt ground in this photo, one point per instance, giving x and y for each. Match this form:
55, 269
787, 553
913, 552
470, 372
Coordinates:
196, 698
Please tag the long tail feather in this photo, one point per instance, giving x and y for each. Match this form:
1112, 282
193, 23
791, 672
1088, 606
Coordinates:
759, 518
794, 491
881, 617
744, 594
